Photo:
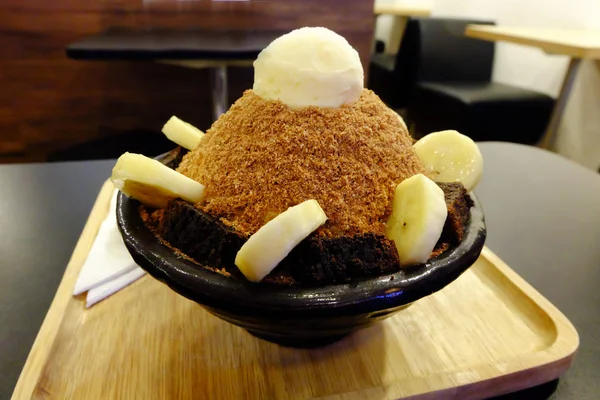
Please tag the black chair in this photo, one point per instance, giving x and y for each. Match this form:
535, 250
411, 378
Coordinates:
454, 89
393, 76
446, 84
379, 46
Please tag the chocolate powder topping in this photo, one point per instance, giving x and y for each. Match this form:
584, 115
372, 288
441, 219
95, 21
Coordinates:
261, 157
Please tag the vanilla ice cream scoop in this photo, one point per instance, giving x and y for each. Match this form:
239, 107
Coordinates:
309, 67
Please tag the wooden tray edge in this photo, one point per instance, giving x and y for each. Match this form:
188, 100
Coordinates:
560, 354
44, 340
567, 338
558, 357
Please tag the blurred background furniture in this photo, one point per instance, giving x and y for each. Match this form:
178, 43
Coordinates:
51, 105
578, 44
147, 142
394, 76
444, 80
400, 12
214, 50
385, 73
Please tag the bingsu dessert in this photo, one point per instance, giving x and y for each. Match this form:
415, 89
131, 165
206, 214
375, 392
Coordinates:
308, 179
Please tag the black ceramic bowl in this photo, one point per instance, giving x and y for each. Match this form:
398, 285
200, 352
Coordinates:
299, 317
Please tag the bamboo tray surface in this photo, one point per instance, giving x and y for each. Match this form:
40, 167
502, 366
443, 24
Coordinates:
485, 334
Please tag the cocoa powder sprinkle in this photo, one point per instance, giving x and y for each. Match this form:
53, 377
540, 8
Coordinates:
261, 157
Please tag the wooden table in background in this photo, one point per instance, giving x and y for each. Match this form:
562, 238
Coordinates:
215, 50
51, 103
577, 44
401, 13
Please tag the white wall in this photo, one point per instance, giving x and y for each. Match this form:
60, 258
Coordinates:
579, 133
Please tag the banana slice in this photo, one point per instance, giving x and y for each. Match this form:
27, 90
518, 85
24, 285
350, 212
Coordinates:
153, 183
451, 157
184, 134
417, 220
265, 249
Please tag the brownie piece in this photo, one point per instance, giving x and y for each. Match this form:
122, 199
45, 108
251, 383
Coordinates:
317, 260
458, 203
200, 235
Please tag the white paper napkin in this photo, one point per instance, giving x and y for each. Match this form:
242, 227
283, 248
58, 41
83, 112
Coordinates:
104, 290
109, 266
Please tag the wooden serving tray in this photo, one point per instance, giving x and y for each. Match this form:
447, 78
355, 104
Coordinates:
485, 334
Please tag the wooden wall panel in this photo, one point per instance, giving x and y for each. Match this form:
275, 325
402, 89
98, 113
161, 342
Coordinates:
48, 102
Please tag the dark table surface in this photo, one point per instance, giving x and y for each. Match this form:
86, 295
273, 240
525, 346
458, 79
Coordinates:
542, 211
172, 45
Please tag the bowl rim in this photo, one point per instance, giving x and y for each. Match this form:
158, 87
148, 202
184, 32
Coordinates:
240, 296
